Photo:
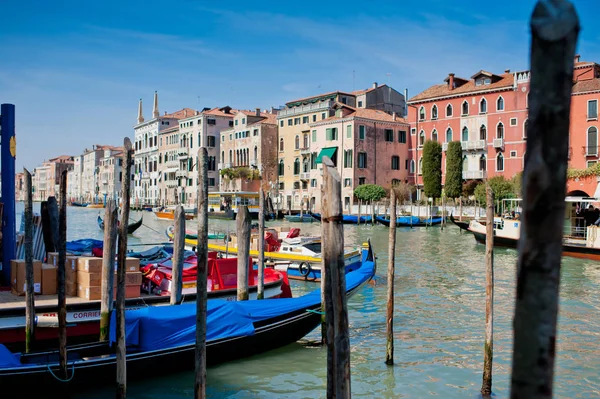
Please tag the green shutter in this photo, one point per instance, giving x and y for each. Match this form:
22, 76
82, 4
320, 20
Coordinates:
327, 152
349, 131
314, 136
328, 134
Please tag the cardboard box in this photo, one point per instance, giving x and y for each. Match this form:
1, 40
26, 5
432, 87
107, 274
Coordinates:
70, 288
89, 264
89, 279
131, 265
48, 279
131, 278
52, 258
17, 276
90, 293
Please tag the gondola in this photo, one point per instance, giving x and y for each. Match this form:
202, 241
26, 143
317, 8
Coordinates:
461, 225
130, 227
346, 219
163, 338
81, 204
404, 221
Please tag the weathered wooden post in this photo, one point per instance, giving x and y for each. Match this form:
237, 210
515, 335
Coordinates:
488, 352
460, 208
243, 251
336, 313
108, 267
555, 29
260, 294
121, 258
389, 353
61, 275
201, 276
28, 244
178, 249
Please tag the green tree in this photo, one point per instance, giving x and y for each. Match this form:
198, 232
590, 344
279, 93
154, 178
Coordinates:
432, 169
501, 187
369, 192
454, 163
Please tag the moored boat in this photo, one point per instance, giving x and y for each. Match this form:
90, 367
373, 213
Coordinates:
169, 214
299, 218
80, 204
130, 227
459, 224
347, 219
411, 221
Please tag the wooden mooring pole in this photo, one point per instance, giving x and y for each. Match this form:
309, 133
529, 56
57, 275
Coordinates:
61, 275
178, 249
389, 353
121, 258
555, 30
108, 267
260, 294
28, 244
488, 352
338, 340
201, 276
243, 251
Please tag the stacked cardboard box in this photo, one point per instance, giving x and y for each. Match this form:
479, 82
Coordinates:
48, 279
17, 276
89, 278
70, 271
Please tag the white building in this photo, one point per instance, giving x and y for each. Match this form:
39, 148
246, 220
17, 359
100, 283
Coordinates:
111, 173
89, 176
74, 179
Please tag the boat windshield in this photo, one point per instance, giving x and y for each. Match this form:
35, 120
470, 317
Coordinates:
313, 246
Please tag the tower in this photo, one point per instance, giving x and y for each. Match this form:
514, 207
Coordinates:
140, 117
155, 109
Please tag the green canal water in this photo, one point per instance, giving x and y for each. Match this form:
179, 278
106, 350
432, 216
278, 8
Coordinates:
438, 324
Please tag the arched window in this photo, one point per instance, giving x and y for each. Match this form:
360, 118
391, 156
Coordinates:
448, 135
465, 163
499, 162
146, 141
482, 133
483, 106
230, 156
281, 168
525, 128
500, 131
434, 135
482, 162
500, 104
412, 166
434, 112
281, 145
305, 165
420, 165
297, 165
306, 140
449, 110
592, 141
422, 113
465, 108
222, 156
297, 142
421, 138
465, 134
256, 154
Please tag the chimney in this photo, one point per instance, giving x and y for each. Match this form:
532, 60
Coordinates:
451, 81
140, 116
577, 57
184, 113
196, 113
155, 113
257, 111
374, 85
394, 115
507, 71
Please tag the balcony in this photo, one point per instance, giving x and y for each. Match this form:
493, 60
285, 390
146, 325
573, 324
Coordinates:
498, 143
444, 146
305, 176
590, 151
305, 151
223, 165
171, 183
172, 164
181, 173
183, 153
474, 174
145, 175
473, 145
104, 182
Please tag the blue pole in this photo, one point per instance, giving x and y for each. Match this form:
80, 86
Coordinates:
8, 152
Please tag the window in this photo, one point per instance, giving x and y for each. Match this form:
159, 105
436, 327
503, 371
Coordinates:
420, 170
448, 135
230, 123
210, 141
513, 121
331, 134
389, 135
211, 181
592, 141
281, 168
589, 164
499, 162
421, 138
297, 166
255, 132
513, 154
482, 133
236, 122
349, 131
500, 131
406, 164
297, 142
305, 165
348, 159
413, 131
483, 106
362, 160
313, 182
305, 140
361, 181
361, 132
525, 128
592, 109
290, 122
483, 81
313, 160
395, 162
323, 115
434, 112
305, 119
314, 136
360, 103
347, 182
482, 163
465, 163
281, 145
314, 117
465, 108
449, 110
500, 104
465, 134
434, 135
402, 136
412, 166
422, 113
281, 123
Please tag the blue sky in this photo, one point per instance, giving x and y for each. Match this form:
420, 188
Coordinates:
76, 70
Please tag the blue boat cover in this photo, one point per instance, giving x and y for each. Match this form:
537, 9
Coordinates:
159, 327
85, 245
9, 359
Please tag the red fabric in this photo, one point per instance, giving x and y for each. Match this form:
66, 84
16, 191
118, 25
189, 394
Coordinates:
286, 290
97, 252
272, 245
294, 232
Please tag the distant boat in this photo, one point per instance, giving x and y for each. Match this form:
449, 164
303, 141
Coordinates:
100, 205
346, 219
299, 218
408, 221
130, 228
82, 204
169, 214
191, 235
461, 225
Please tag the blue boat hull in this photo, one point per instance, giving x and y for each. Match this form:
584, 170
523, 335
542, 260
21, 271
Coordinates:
410, 221
346, 219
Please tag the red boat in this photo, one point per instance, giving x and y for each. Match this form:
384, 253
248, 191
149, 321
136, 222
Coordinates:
83, 316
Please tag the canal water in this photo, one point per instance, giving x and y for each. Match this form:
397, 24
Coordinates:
438, 323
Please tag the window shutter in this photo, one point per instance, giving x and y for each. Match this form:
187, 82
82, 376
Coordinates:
327, 134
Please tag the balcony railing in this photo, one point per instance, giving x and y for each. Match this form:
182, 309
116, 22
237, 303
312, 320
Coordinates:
474, 174
305, 176
181, 173
498, 143
172, 164
171, 183
473, 145
305, 151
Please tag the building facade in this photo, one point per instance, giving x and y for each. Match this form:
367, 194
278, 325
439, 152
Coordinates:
110, 175
46, 178
168, 166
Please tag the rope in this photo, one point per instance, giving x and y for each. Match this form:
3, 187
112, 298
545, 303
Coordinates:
145, 225
60, 379
315, 311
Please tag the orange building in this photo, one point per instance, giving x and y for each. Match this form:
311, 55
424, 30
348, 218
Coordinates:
488, 113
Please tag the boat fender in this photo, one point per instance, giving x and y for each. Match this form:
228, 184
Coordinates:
304, 269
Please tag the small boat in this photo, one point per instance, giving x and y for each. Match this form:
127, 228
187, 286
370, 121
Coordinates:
459, 224
306, 218
169, 214
81, 204
100, 205
347, 219
164, 338
193, 235
411, 221
130, 227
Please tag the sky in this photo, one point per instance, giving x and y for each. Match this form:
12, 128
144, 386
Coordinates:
76, 70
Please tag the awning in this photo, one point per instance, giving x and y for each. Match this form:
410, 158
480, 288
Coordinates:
326, 152
170, 170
